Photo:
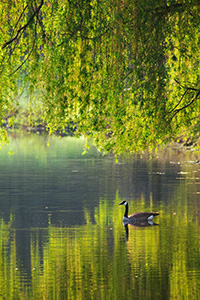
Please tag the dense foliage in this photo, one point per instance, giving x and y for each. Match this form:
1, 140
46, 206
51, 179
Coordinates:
126, 73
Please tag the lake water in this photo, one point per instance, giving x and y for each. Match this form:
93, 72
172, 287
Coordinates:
61, 231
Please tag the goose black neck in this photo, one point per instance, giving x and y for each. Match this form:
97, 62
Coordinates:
126, 210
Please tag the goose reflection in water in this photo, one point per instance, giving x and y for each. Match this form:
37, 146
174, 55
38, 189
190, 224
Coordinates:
138, 219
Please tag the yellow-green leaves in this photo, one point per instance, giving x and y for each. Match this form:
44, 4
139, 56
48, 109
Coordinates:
118, 70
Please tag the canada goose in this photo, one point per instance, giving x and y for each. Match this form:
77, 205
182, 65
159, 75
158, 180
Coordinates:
141, 218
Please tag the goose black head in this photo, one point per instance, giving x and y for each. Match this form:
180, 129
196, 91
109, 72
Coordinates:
123, 203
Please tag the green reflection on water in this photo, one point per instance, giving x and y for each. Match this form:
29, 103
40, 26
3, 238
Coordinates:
94, 261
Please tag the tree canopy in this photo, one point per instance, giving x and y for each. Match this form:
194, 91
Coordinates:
125, 73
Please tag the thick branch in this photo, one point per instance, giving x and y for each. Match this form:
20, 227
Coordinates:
25, 26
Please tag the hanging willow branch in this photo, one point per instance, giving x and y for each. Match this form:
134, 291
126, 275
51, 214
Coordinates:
29, 54
22, 29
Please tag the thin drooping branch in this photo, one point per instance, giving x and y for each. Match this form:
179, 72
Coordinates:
20, 16
41, 26
2, 67
185, 106
131, 71
22, 29
29, 54
173, 109
187, 89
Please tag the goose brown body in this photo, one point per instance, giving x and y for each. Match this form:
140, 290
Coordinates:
143, 215
137, 216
